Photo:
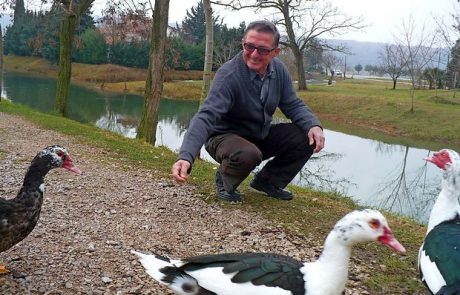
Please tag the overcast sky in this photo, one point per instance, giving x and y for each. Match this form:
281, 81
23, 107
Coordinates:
383, 17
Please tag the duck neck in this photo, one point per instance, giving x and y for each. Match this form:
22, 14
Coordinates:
336, 254
446, 206
32, 186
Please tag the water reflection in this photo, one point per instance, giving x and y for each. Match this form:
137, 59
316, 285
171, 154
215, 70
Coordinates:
410, 193
118, 123
319, 174
374, 173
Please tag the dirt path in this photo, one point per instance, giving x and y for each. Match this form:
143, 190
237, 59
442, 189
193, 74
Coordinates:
90, 222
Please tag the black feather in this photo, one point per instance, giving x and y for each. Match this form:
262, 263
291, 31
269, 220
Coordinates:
271, 270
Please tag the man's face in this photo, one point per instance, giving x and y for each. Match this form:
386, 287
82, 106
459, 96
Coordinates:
255, 60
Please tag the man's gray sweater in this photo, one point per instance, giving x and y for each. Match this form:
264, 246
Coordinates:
234, 105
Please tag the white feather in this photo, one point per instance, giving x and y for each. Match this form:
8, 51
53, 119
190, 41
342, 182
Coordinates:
42, 187
153, 264
430, 272
221, 283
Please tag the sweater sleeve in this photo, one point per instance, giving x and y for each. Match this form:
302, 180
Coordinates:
217, 104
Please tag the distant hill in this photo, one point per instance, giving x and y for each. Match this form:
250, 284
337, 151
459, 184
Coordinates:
364, 53
367, 53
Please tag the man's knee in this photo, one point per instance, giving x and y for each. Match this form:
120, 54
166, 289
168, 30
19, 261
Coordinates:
247, 158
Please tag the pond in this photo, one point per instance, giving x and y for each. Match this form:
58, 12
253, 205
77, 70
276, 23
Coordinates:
371, 172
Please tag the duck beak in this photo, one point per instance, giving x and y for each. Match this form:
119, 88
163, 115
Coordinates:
68, 164
389, 239
439, 160
433, 159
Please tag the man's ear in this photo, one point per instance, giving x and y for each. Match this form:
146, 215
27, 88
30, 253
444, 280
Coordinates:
277, 51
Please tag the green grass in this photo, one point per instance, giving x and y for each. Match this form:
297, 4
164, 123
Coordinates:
311, 213
374, 106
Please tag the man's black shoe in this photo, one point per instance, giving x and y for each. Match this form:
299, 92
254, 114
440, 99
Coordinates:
222, 194
271, 190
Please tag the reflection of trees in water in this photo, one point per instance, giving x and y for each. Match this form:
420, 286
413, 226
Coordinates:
121, 124
126, 125
411, 195
164, 130
321, 177
387, 149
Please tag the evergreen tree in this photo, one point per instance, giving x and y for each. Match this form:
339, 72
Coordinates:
93, 48
19, 11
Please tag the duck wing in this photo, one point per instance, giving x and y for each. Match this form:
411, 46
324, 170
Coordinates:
15, 223
258, 269
441, 271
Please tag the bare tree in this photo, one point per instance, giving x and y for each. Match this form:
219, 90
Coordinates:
419, 46
154, 84
72, 11
207, 71
330, 61
304, 22
124, 20
393, 61
224, 53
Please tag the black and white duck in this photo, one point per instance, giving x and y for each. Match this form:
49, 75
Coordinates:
439, 255
274, 274
18, 216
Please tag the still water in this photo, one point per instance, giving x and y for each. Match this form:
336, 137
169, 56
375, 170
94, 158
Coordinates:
371, 172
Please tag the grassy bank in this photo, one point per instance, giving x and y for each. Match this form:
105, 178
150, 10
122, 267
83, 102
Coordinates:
310, 214
180, 85
375, 107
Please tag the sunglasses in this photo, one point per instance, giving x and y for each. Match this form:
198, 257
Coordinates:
261, 50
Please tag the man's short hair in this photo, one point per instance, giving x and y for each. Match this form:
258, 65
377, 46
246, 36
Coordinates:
264, 26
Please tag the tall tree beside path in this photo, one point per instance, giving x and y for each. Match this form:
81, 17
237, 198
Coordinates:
208, 59
72, 11
1, 60
154, 84
304, 22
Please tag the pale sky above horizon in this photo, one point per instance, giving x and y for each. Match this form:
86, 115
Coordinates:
384, 18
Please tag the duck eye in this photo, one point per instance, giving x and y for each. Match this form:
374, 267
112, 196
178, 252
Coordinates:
374, 223
60, 153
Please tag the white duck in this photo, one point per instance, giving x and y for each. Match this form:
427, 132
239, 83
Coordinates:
273, 274
439, 255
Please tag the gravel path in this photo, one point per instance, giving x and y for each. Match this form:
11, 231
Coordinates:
90, 222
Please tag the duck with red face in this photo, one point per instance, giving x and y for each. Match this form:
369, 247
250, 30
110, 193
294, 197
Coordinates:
19, 215
271, 273
439, 255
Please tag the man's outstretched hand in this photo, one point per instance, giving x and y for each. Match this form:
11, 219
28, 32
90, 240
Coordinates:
180, 171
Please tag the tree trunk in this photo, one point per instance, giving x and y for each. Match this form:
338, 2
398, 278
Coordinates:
207, 70
154, 84
300, 69
1, 62
298, 54
68, 25
394, 83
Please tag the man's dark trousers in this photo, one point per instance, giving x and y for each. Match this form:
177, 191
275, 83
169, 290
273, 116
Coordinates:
287, 143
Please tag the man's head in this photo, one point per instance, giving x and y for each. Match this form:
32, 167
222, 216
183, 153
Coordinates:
260, 45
